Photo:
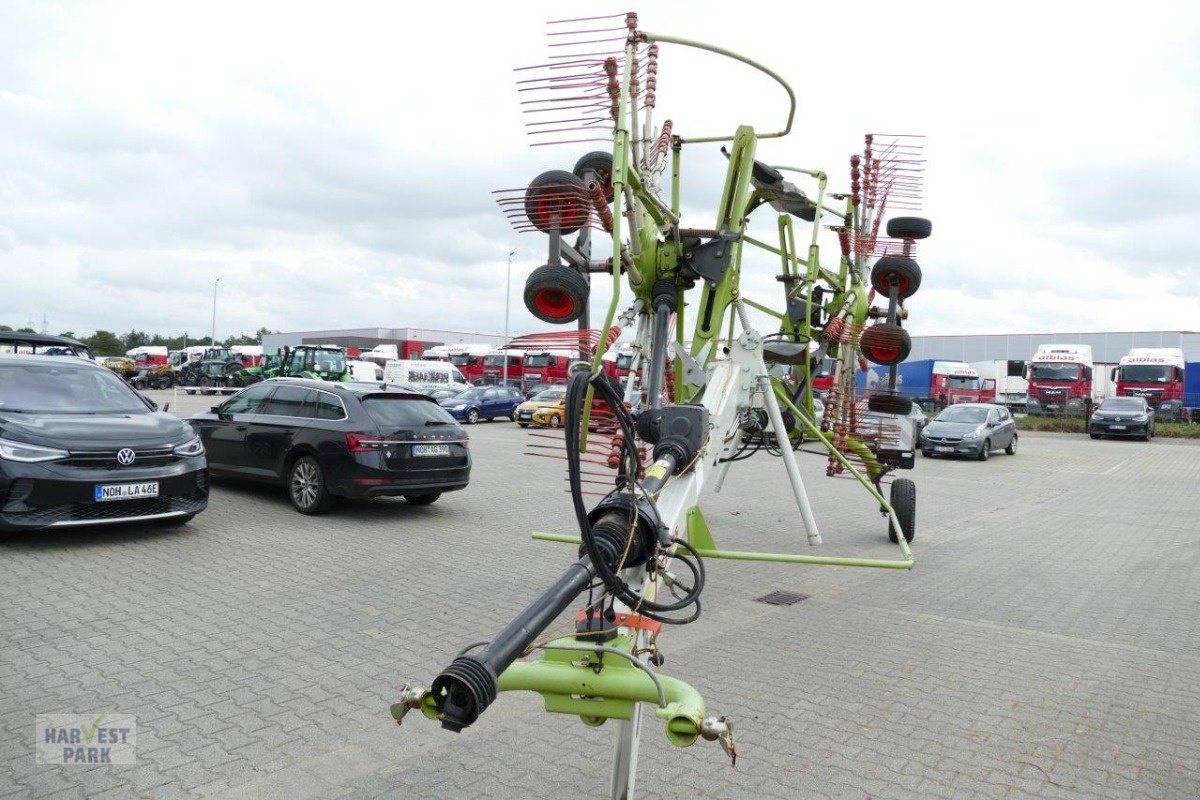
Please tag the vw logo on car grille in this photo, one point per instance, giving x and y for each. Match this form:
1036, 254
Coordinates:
125, 456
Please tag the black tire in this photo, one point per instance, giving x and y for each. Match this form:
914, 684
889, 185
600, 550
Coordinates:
523, 424
306, 487
555, 421
1094, 435
472, 416
422, 499
190, 391
174, 522
556, 293
909, 228
986, 450
205, 384
906, 271
927, 453
557, 196
1012, 446
904, 502
513, 415
885, 344
601, 162
889, 404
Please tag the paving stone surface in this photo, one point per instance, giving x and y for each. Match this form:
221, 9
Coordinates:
1044, 645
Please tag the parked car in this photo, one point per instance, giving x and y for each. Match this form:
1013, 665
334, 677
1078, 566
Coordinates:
919, 420
1122, 416
537, 388
79, 446
543, 399
440, 394
324, 440
971, 429
483, 402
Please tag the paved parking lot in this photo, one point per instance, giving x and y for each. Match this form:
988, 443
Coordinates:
1044, 645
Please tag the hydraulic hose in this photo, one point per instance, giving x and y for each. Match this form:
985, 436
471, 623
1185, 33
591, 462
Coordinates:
663, 298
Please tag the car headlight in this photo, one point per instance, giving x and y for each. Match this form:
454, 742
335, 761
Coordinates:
192, 447
1141, 418
29, 453
975, 434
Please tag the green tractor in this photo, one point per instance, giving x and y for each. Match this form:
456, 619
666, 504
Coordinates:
316, 361
213, 370
269, 368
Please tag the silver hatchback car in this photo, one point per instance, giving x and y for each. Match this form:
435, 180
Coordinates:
970, 429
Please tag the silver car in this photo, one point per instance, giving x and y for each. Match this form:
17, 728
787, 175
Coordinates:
970, 429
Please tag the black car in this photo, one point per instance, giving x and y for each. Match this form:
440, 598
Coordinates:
1122, 416
324, 440
78, 446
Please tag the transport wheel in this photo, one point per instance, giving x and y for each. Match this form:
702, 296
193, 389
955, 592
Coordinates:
556, 293
1094, 435
885, 344
422, 499
927, 453
905, 270
1012, 446
557, 199
889, 404
306, 487
555, 421
513, 415
205, 383
904, 501
601, 162
909, 228
523, 424
473, 416
986, 451
174, 522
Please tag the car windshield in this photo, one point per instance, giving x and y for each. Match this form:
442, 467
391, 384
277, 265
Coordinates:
550, 395
390, 412
66, 388
1054, 372
471, 394
537, 361
963, 383
969, 414
460, 360
1145, 373
625, 361
1122, 404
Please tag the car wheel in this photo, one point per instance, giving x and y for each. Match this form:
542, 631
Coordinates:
1094, 435
172, 522
1012, 446
904, 503
422, 499
513, 416
523, 424
306, 487
986, 450
472, 416
555, 421
927, 453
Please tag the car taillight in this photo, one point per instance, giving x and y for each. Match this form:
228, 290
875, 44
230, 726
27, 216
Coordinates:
362, 443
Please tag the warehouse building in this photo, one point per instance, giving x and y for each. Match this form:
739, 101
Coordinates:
1107, 347
410, 342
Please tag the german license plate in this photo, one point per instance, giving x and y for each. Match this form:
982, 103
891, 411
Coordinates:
525, 415
943, 449
1116, 427
125, 491
431, 449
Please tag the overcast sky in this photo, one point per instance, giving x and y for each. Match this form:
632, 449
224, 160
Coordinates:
333, 163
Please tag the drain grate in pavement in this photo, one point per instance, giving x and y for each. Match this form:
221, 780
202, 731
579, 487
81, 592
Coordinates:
781, 598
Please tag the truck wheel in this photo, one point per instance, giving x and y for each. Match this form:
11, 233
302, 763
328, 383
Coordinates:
1012, 446
909, 228
885, 344
556, 199
986, 451
905, 270
889, 404
601, 163
904, 503
556, 293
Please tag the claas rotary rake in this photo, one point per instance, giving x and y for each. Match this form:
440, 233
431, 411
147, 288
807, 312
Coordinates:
704, 399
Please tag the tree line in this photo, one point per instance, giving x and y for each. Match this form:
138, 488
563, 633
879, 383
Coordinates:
107, 343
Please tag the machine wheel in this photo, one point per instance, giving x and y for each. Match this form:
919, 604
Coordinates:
306, 487
889, 404
909, 228
986, 451
556, 293
422, 499
1012, 446
904, 501
205, 384
190, 391
601, 162
906, 271
557, 199
885, 344
472, 416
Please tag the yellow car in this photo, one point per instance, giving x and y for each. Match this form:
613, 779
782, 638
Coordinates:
532, 411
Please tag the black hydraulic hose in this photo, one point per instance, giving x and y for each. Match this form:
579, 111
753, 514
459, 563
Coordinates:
664, 297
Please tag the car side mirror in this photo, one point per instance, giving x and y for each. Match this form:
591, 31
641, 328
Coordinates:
153, 405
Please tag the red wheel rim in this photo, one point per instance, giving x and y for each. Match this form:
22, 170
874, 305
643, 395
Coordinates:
554, 303
558, 204
883, 353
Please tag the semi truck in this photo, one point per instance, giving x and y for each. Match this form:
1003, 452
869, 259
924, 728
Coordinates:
1011, 383
935, 384
1160, 375
1060, 379
495, 370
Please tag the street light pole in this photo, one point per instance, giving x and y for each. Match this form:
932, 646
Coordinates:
507, 294
213, 336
